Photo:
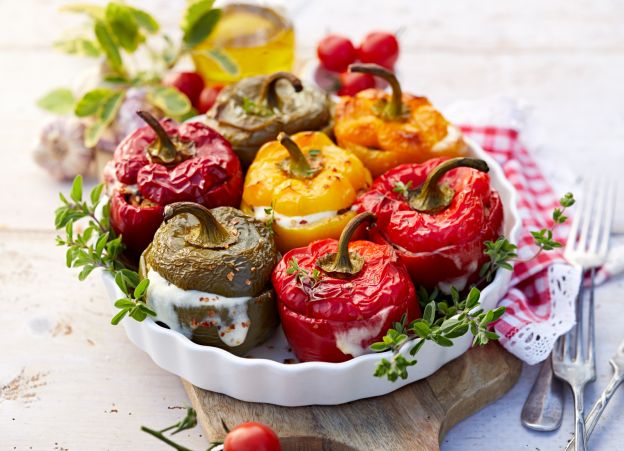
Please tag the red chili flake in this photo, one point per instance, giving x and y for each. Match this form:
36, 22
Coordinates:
232, 326
303, 221
245, 324
222, 334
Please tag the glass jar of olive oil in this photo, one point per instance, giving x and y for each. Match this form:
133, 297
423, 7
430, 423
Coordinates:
248, 40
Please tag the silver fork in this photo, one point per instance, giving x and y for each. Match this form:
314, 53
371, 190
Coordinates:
617, 363
573, 358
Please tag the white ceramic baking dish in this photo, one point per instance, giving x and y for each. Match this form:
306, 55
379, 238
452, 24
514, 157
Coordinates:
269, 374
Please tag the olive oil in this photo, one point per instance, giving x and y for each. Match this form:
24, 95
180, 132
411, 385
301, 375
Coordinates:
248, 40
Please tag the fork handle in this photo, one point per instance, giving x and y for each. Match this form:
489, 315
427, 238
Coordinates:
579, 420
599, 406
543, 408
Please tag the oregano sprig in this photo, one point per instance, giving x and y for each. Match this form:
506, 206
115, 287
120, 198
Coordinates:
442, 321
304, 277
97, 246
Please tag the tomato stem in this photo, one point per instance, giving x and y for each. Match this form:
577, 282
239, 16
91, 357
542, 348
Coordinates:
394, 108
432, 196
345, 262
209, 233
267, 90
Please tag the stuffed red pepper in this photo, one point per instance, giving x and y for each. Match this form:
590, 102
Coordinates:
164, 163
335, 298
436, 216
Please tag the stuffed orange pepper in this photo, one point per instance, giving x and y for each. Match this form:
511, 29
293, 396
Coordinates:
388, 129
304, 186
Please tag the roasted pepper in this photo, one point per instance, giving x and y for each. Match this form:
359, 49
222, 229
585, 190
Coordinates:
437, 216
335, 298
386, 130
255, 110
164, 163
209, 273
305, 185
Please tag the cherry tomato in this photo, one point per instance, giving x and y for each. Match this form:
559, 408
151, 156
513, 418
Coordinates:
190, 84
380, 48
336, 52
351, 83
207, 98
251, 436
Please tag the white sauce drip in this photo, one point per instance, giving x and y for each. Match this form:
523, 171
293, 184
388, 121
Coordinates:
293, 222
350, 341
164, 297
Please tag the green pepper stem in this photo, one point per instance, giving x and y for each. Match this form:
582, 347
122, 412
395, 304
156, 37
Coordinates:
298, 165
210, 234
433, 196
395, 107
343, 261
165, 150
267, 90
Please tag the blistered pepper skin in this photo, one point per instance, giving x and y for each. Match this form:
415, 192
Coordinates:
325, 321
212, 177
443, 248
333, 188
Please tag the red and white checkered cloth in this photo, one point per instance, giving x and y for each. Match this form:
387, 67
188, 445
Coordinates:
529, 301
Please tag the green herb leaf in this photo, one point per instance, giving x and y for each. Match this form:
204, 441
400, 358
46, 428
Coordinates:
198, 21
92, 101
145, 20
58, 101
123, 25
76, 189
253, 108
119, 316
110, 107
171, 101
93, 11
108, 45
139, 291
80, 46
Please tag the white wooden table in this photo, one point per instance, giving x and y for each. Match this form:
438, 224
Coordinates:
68, 380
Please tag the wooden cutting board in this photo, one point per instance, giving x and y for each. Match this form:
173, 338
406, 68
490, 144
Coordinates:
415, 417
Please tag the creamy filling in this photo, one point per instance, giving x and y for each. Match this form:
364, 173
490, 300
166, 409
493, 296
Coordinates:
350, 341
292, 222
166, 298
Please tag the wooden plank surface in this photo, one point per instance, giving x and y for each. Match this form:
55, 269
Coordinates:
420, 413
70, 381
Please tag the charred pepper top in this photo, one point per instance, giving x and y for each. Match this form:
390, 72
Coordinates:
386, 130
437, 216
256, 109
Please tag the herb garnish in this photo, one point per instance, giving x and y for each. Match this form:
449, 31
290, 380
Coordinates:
402, 188
304, 277
97, 246
253, 108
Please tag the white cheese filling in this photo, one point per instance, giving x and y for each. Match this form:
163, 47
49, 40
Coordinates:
350, 341
292, 222
165, 298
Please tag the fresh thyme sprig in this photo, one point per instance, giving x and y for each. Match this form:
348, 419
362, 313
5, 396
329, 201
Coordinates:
97, 246
403, 188
442, 321
270, 218
253, 108
304, 277
188, 422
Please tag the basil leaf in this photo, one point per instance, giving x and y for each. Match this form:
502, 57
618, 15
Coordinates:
201, 29
58, 101
78, 46
145, 20
92, 101
171, 101
108, 45
123, 26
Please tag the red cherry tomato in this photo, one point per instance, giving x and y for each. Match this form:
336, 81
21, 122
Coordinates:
190, 84
207, 97
380, 48
336, 52
351, 83
251, 436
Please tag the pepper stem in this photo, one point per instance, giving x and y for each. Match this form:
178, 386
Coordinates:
297, 165
165, 150
432, 196
345, 262
394, 108
267, 90
209, 233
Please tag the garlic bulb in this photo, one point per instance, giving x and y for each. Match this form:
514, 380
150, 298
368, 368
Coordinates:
61, 150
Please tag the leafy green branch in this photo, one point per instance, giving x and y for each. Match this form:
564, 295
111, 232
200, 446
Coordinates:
303, 276
97, 246
442, 321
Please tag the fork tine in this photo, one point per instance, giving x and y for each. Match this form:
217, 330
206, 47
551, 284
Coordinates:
599, 216
608, 222
576, 220
586, 213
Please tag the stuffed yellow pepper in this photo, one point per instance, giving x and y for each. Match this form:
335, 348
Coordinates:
304, 187
385, 130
